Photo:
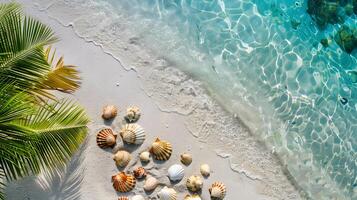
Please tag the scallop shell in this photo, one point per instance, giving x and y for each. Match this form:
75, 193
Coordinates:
161, 149
123, 182
217, 191
106, 138
122, 158
150, 183
137, 197
194, 183
205, 170
186, 158
176, 172
139, 173
192, 197
132, 114
145, 156
123, 198
133, 134
109, 112
167, 194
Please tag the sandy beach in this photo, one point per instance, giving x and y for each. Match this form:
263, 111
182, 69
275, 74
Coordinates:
174, 107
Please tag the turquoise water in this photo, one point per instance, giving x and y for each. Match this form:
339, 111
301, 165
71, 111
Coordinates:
281, 60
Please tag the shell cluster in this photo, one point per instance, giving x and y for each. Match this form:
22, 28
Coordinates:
123, 182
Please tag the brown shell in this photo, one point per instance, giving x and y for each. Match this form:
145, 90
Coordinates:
186, 158
123, 182
139, 173
161, 150
106, 138
109, 112
123, 198
217, 191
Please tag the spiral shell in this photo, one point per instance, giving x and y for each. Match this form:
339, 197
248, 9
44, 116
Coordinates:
176, 172
123, 182
106, 138
186, 158
145, 156
205, 170
150, 183
132, 114
167, 194
137, 197
194, 183
161, 149
109, 112
192, 197
139, 173
122, 158
133, 134
123, 198
217, 191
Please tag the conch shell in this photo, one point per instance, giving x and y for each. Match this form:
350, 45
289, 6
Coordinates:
123, 182
186, 158
192, 197
109, 112
123, 198
132, 114
217, 191
161, 149
176, 172
139, 173
194, 183
205, 170
133, 134
137, 197
150, 183
145, 156
167, 194
122, 158
106, 138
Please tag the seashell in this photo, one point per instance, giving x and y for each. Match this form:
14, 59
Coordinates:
133, 134
123, 182
192, 197
122, 158
132, 114
137, 197
109, 112
150, 183
123, 198
167, 194
205, 170
106, 138
217, 191
194, 183
176, 172
186, 158
145, 156
161, 149
139, 173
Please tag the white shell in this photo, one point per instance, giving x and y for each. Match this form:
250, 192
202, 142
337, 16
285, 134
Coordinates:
133, 134
145, 156
176, 172
205, 170
194, 183
150, 183
167, 194
132, 114
137, 197
192, 197
122, 158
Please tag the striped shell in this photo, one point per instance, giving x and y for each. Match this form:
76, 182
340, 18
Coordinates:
132, 114
167, 194
122, 158
123, 182
137, 197
133, 134
217, 191
123, 198
186, 158
161, 149
192, 197
176, 172
194, 183
106, 138
150, 183
139, 173
109, 112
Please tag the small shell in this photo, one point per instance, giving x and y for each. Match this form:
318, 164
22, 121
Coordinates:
133, 134
139, 173
123, 182
106, 138
161, 149
122, 158
150, 183
132, 114
217, 191
192, 197
109, 112
205, 170
123, 198
167, 194
194, 183
176, 172
145, 156
137, 197
186, 159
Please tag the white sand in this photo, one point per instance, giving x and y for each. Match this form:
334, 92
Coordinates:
174, 107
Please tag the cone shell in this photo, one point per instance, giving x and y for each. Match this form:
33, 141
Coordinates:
123, 198
217, 191
106, 138
123, 182
109, 112
167, 194
132, 114
137, 197
205, 170
122, 158
139, 173
176, 172
186, 158
133, 134
161, 149
192, 197
145, 156
150, 183
194, 183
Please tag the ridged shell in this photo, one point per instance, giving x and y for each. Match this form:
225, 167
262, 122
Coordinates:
122, 158
150, 183
109, 112
133, 134
176, 172
145, 156
217, 191
123, 182
194, 183
167, 194
139, 173
186, 158
161, 149
106, 138
205, 170
192, 197
132, 114
123, 198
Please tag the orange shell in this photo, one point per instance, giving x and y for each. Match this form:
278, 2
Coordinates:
139, 173
106, 138
161, 149
123, 182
